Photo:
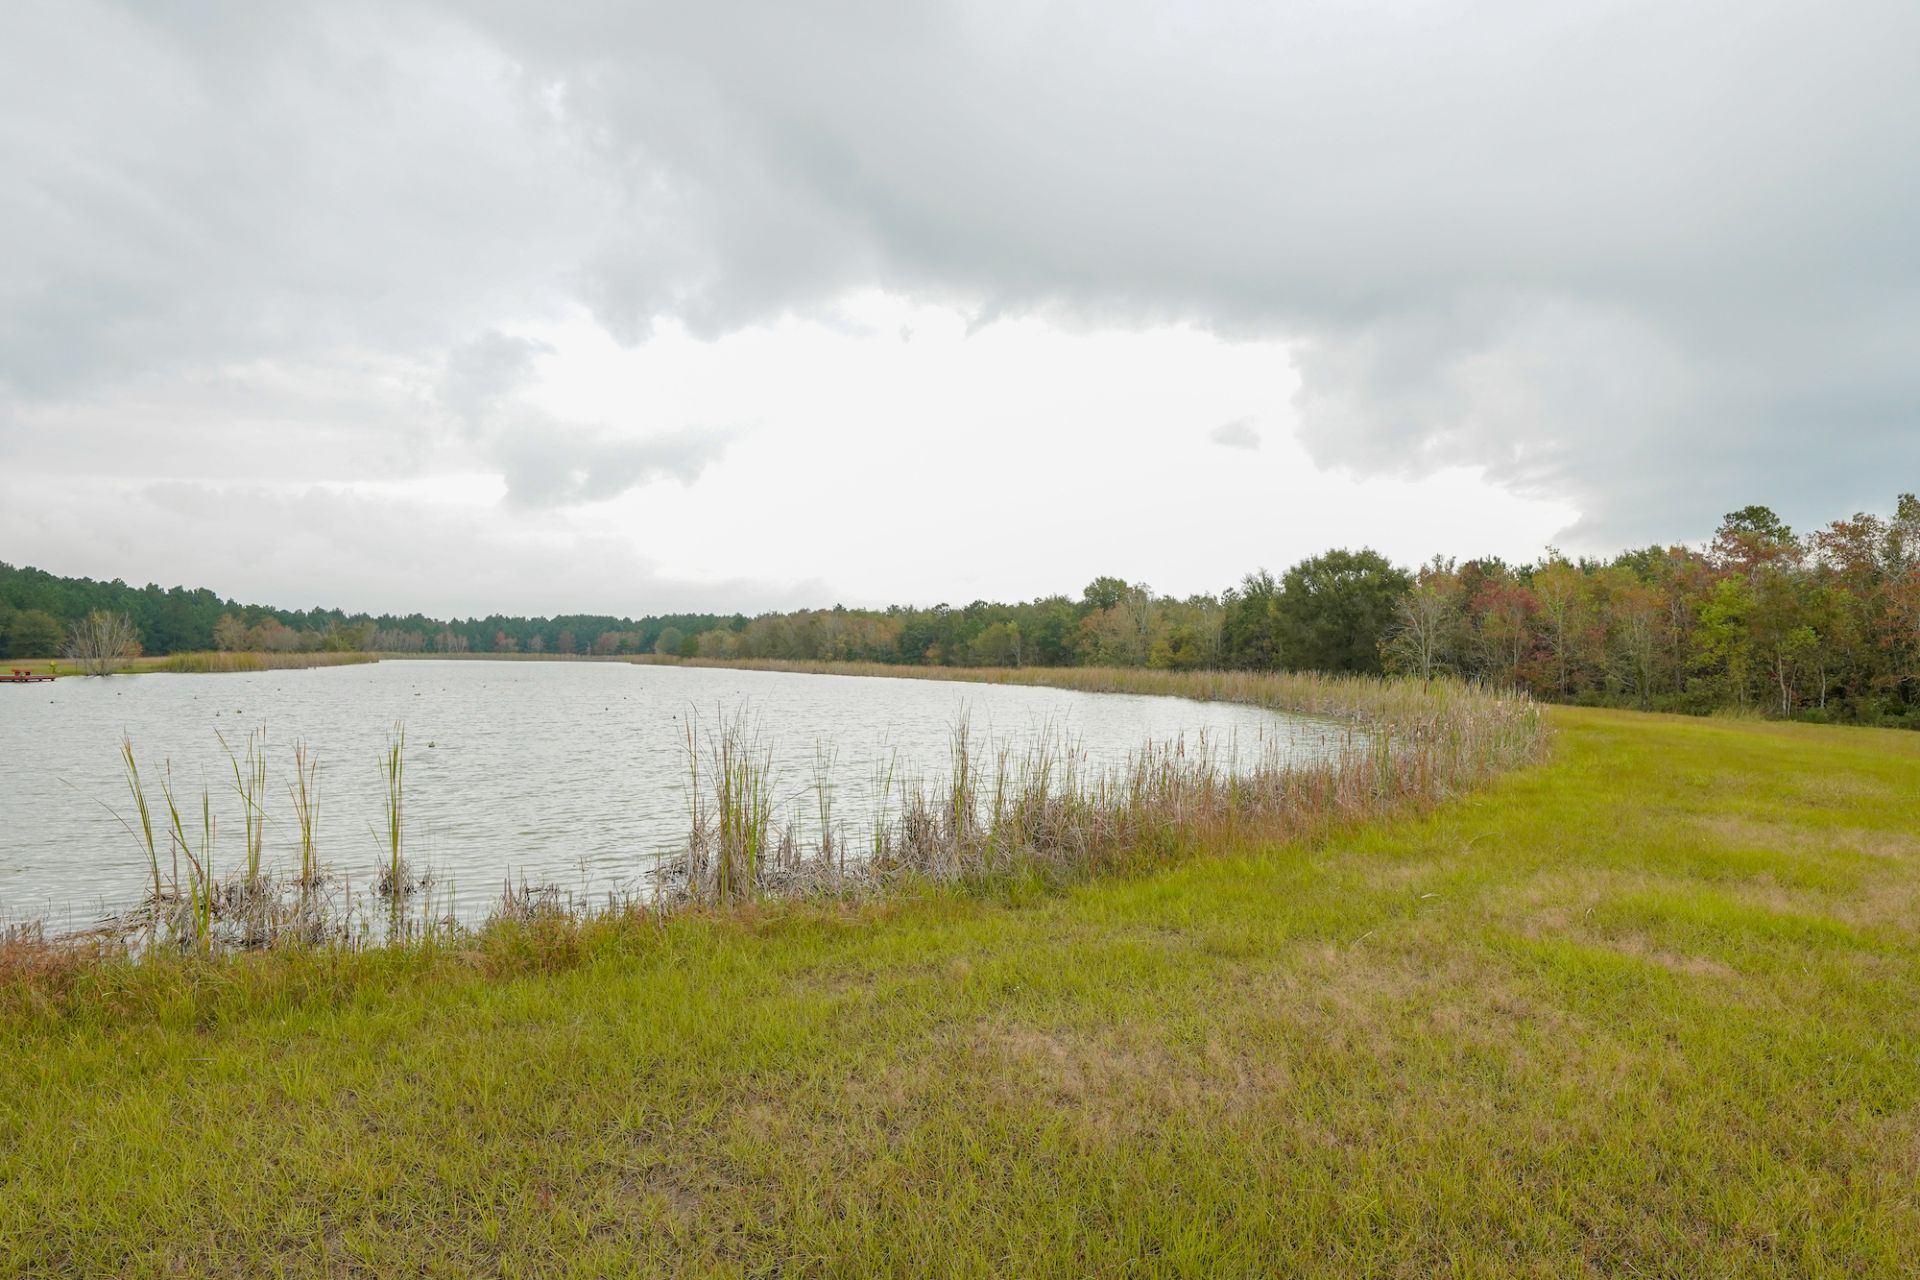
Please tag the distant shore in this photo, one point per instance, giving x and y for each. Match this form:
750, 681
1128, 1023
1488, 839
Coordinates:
198, 663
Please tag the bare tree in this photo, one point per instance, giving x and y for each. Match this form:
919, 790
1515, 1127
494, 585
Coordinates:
103, 642
1421, 642
1635, 611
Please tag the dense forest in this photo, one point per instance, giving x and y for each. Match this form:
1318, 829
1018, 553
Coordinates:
1821, 626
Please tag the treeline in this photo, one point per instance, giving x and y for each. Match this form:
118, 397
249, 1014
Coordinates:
1823, 626
38, 609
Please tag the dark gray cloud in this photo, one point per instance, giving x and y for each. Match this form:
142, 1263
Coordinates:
1657, 258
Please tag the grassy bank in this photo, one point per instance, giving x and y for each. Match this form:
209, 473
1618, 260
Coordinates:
1651, 1008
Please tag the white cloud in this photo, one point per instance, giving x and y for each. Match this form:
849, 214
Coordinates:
1239, 433
547, 460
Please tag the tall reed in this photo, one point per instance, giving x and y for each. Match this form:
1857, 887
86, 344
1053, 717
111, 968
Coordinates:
141, 808
832, 850
393, 766
250, 784
305, 791
196, 926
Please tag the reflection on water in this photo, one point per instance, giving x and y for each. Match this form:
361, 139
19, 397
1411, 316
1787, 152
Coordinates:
571, 774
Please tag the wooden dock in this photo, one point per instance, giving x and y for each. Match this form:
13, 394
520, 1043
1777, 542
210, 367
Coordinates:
18, 676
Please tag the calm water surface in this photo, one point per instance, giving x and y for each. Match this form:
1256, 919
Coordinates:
559, 773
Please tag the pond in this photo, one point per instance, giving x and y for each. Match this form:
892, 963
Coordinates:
572, 774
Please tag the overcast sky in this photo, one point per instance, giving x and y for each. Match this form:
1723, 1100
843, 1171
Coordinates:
627, 307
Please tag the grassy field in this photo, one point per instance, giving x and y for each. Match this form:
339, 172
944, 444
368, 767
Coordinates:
1652, 1008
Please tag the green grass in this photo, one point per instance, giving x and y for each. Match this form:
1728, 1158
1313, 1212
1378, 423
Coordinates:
1652, 1008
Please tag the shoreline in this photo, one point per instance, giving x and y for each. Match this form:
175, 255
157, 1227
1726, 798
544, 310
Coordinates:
1041, 813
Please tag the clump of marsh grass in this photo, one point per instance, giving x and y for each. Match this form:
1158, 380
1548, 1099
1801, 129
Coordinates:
163, 911
396, 879
434, 921
190, 904
731, 836
526, 903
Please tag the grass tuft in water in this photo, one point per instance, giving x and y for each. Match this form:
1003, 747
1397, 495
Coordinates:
250, 784
143, 810
731, 816
305, 793
394, 880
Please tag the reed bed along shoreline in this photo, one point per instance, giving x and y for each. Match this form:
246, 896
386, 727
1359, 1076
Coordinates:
991, 814
211, 663
1356, 699
1046, 812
